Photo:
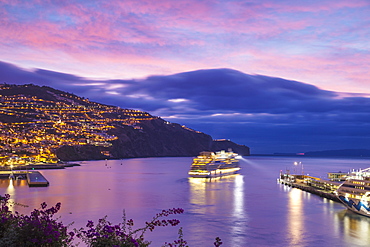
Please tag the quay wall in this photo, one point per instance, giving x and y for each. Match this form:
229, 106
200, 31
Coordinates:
326, 194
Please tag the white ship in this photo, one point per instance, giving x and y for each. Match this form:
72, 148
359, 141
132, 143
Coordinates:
210, 164
354, 193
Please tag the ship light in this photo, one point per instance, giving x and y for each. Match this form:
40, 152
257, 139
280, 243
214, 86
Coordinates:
198, 173
230, 170
346, 196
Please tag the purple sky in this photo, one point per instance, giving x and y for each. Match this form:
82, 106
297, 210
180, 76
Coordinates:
133, 54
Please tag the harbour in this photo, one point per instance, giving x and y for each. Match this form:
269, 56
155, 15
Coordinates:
246, 208
351, 189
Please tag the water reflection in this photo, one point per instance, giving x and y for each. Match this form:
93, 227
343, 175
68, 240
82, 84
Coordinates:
211, 197
354, 228
210, 191
10, 185
351, 228
10, 188
295, 217
238, 197
239, 227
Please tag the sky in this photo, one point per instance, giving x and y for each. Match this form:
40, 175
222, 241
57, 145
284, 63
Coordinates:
277, 76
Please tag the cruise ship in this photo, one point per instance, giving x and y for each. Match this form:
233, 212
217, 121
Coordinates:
354, 192
210, 164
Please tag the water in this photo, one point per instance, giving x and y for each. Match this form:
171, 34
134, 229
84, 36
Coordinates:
249, 209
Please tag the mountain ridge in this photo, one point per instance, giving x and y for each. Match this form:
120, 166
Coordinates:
40, 121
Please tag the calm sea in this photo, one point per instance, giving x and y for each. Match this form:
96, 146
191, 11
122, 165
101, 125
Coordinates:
249, 209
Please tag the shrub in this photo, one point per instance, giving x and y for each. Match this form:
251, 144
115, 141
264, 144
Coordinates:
41, 229
123, 234
38, 229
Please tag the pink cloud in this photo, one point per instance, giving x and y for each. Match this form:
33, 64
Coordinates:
286, 38
93, 27
312, 6
343, 73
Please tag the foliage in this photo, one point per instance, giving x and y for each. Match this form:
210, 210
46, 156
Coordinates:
7, 219
123, 234
37, 229
218, 242
40, 228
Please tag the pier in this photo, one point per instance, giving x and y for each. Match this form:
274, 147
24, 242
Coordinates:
314, 185
34, 178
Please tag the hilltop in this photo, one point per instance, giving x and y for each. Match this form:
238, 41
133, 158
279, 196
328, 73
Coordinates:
44, 124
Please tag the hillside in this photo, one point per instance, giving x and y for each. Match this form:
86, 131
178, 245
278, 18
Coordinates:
41, 123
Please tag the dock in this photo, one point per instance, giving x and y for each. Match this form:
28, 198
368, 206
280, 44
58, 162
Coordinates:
313, 185
34, 178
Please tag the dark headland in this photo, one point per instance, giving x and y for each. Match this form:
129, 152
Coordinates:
37, 122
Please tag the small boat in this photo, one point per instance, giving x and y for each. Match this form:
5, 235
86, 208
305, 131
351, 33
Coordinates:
210, 164
354, 192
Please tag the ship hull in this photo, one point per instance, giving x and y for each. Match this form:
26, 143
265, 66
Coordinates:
354, 192
356, 205
214, 174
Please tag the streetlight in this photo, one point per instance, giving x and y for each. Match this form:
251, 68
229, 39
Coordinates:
295, 166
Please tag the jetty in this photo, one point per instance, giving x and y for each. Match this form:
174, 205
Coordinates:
34, 178
321, 187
